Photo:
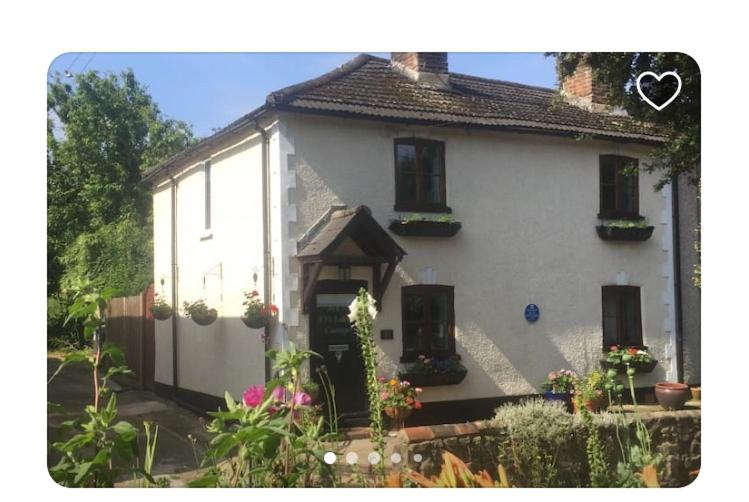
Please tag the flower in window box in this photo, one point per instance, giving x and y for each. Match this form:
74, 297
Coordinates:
199, 312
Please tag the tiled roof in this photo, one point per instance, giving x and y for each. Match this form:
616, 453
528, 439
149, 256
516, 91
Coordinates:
369, 86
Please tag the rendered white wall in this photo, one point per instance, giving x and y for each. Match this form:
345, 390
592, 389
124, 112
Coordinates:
215, 265
528, 205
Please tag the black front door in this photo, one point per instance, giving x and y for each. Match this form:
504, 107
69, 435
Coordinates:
332, 336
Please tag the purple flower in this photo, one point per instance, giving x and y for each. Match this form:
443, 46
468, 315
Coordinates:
253, 396
302, 398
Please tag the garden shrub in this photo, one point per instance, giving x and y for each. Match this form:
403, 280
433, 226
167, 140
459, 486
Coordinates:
536, 431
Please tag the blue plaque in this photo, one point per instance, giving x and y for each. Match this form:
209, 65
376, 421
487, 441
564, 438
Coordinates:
532, 312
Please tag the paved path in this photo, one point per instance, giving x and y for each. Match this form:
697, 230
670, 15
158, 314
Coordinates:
72, 389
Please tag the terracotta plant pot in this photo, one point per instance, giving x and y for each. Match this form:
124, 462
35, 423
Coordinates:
592, 405
696, 393
398, 416
205, 319
672, 395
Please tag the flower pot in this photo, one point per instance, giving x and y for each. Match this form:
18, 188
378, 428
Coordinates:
608, 233
696, 393
435, 379
398, 416
425, 228
161, 313
672, 395
592, 405
621, 368
255, 322
205, 319
565, 398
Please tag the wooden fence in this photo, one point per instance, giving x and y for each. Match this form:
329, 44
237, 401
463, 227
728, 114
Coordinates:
130, 325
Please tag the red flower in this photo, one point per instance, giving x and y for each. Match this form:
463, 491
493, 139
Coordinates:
273, 309
632, 351
614, 348
417, 404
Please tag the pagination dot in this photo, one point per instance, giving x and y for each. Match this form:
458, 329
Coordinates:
417, 457
329, 457
352, 458
395, 458
374, 458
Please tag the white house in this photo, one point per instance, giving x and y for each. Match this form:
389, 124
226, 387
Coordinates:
326, 188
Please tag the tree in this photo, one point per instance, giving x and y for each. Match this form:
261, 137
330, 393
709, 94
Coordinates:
680, 121
102, 132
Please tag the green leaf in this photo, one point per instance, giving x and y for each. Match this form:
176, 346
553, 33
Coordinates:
222, 444
231, 405
207, 481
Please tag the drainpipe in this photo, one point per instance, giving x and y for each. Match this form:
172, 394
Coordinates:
175, 372
267, 273
677, 279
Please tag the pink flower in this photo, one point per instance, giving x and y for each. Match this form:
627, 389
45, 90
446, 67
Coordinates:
406, 383
552, 375
302, 399
421, 356
279, 393
419, 390
253, 396
381, 378
384, 396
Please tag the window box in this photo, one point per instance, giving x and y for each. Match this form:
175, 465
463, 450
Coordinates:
433, 380
425, 228
621, 368
634, 233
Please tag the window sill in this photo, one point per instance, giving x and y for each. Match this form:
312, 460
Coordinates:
423, 380
620, 216
207, 235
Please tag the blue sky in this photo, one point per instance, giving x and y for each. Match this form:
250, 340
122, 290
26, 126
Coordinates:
210, 90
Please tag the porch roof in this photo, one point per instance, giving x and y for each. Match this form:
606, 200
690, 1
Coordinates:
328, 247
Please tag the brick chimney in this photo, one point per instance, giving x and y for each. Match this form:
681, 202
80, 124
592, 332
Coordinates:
580, 90
427, 68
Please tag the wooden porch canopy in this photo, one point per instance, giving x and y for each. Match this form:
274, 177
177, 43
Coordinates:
331, 245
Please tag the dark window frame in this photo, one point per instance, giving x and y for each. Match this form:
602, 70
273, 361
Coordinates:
620, 294
207, 193
620, 162
418, 203
426, 291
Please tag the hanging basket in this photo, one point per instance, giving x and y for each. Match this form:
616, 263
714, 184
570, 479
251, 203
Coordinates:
204, 319
161, 312
255, 322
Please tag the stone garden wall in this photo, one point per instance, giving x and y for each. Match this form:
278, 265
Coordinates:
675, 435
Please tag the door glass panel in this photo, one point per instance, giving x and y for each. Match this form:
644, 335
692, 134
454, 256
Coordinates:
431, 158
332, 313
406, 155
630, 321
412, 337
433, 189
610, 336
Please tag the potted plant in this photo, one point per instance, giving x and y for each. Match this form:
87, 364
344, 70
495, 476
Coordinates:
672, 395
418, 225
589, 392
256, 313
312, 389
199, 312
625, 230
620, 358
399, 399
431, 371
160, 309
559, 386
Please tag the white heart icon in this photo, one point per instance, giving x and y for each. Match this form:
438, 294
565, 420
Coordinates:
659, 78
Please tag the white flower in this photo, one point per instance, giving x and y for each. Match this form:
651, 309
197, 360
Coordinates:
352, 310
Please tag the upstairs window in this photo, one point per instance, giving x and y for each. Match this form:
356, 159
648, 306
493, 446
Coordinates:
618, 187
428, 316
622, 324
420, 175
207, 193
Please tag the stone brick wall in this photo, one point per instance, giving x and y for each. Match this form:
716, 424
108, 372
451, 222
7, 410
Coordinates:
675, 435
580, 85
430, 62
